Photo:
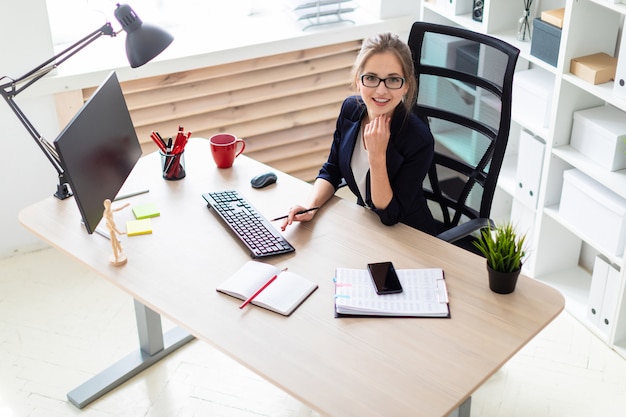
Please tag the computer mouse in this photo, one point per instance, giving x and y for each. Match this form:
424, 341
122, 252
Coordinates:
263, 180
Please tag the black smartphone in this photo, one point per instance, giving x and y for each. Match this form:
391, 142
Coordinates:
384, 277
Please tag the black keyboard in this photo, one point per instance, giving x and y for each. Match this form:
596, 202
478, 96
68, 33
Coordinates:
252, 229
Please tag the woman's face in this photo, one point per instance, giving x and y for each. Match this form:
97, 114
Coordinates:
381, 99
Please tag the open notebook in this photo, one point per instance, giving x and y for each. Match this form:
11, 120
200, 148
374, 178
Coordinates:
424, 294
282, 296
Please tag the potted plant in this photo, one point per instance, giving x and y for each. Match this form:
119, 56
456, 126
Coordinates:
504, 250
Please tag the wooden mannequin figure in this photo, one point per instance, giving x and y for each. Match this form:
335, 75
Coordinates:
118, 258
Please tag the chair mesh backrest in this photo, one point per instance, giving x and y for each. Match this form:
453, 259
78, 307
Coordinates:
464, 90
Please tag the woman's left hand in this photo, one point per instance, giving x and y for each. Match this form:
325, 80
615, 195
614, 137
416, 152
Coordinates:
376, 135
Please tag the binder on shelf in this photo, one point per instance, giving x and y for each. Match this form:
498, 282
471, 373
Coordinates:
529, 167
619, 86
596, 292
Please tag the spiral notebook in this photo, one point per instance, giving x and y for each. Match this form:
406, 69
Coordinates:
424, 294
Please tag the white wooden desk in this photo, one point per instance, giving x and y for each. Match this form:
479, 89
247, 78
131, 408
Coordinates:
339, 367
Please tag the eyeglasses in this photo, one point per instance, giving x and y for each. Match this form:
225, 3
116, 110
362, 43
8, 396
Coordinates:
372, 81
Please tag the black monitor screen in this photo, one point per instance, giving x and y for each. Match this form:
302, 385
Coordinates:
98, 150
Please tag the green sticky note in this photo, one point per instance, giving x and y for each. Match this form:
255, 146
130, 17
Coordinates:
145, 211
139, 227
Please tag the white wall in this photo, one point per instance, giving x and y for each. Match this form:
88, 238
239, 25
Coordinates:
26, 176
392, 8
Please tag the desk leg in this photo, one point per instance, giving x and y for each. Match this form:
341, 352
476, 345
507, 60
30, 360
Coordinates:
154, 345
463, 410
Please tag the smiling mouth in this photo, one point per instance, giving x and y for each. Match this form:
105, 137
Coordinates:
381, 100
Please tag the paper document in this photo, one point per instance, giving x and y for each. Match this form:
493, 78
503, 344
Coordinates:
424, 294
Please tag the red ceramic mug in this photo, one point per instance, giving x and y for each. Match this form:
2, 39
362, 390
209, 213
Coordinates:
225, 148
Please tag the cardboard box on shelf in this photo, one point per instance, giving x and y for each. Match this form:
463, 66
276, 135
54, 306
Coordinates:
554, 17
596, 68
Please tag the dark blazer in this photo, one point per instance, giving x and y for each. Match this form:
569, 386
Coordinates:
409, 155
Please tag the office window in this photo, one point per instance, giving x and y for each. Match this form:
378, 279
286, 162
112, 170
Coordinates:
70, 20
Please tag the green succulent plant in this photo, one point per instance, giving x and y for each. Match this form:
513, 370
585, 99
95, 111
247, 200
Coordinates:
502, 247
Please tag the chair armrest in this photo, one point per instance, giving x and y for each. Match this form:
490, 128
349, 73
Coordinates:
465, 229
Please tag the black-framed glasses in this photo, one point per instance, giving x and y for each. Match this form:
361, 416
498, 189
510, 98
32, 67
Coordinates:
372, 81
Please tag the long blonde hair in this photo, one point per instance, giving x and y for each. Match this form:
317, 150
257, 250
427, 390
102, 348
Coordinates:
388, 42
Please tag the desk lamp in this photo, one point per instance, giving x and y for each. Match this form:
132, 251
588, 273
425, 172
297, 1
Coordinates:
143, 42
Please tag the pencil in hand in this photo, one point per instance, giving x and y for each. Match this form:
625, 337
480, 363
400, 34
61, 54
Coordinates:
300, 212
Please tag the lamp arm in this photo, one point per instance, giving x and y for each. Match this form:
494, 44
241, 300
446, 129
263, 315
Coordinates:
45, 146
11, 89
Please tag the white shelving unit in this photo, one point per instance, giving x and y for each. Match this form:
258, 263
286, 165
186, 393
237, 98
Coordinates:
561, 254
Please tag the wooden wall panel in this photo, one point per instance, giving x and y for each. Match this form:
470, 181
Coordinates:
284, 106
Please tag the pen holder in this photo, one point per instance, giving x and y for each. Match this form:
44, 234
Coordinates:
173, 165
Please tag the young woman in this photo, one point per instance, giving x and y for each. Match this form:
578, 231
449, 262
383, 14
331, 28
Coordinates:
380, 147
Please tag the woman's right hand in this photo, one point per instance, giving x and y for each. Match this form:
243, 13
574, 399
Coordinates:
294, 216
322, 191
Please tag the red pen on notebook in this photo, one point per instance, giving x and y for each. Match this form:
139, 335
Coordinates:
257, 292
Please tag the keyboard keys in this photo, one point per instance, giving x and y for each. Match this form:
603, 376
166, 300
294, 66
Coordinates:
248, 225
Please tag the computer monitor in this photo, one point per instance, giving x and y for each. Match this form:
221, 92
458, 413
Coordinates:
98, 150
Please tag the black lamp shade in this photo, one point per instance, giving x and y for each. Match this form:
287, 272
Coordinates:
143, 41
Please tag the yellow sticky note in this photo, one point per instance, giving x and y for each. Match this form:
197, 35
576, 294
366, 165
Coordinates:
139, 227
144, 211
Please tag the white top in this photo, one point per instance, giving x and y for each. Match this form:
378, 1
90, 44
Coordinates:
360, 164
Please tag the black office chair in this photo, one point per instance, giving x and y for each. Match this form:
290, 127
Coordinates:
465, 81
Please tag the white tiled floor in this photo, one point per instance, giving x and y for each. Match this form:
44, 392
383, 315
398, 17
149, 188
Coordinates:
61, 324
